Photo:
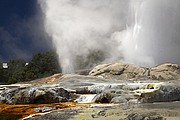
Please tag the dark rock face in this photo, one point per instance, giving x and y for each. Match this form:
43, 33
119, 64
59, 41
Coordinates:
123, 71
34, 95
103, 98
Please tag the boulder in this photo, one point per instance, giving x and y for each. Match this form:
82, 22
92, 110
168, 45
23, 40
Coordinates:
166, 71
34, 95
120, 71
124, 71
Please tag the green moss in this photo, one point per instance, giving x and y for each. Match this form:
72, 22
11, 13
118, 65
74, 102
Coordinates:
151, 86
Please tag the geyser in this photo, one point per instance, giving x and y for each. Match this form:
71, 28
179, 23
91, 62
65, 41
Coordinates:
144, 32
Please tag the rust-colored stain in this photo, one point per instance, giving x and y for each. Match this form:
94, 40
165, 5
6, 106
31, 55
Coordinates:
46, 80
18, 112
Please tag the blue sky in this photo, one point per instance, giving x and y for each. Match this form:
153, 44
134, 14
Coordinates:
21, 29
22, 33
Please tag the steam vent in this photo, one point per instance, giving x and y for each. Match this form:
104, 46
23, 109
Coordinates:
90, 60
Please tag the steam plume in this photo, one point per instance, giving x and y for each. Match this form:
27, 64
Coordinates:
139, 31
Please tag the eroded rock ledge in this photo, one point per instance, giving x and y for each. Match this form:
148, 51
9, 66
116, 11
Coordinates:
108, 83
124, 71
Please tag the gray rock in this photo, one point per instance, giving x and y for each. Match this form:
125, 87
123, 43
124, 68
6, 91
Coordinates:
99, 114
130, 87
65, 114
119, 99
7, 96
33, 95
165, 93
102, 113
103, 98
43, 109
83, 90
147, 116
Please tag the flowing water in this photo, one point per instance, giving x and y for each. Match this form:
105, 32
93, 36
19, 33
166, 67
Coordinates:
86, 98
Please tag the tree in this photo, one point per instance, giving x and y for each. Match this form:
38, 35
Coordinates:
15, 71
41, 65
3, 74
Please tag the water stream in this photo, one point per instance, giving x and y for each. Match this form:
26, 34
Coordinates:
87, 98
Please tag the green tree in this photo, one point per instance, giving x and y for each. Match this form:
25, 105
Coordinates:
15, 71
41, 65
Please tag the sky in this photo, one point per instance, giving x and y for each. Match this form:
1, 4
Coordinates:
21, 30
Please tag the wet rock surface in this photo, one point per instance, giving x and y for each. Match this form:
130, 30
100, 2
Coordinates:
43, 109
103, 98
71, 87
165, 93
111, 111
57, 115
34, 95
120, 84
19, 111
119, 99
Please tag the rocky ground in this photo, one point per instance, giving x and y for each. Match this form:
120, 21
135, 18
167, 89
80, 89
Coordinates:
116, 91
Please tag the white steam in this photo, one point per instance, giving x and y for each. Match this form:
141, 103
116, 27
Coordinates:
139, 31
